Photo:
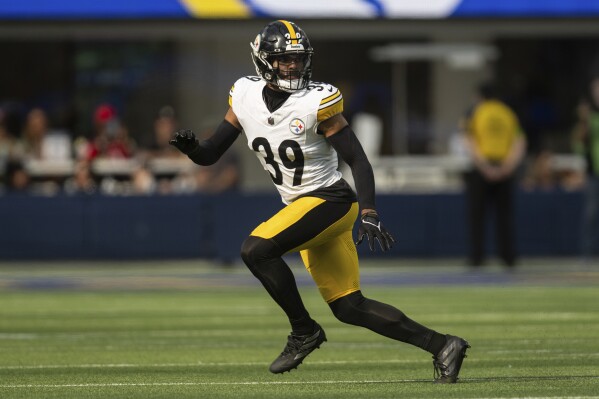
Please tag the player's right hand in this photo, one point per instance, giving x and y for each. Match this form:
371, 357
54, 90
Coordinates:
185, 140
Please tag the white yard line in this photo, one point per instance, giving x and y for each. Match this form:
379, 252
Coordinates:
237, 364
263, 383
198, 364
207, 383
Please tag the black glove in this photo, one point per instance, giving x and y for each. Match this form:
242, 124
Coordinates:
372, 228
185, 140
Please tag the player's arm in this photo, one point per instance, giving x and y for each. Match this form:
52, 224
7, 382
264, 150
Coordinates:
344, 141
207, 152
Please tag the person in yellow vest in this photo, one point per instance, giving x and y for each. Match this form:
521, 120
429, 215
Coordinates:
496, 145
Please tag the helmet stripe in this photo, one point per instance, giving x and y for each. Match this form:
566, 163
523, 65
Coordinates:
292, 34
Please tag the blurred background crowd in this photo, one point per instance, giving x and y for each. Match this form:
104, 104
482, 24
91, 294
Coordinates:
88, 107
40, 157
44, 153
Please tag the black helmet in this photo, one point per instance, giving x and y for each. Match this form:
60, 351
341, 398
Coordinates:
285, 40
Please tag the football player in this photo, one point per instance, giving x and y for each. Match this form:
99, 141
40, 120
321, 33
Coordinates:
296, 128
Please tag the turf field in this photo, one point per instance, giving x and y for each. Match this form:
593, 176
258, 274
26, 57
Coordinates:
193, 330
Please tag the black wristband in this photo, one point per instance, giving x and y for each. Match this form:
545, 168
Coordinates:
372, 214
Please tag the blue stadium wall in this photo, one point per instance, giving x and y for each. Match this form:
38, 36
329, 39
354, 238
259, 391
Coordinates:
165, 227
244, 9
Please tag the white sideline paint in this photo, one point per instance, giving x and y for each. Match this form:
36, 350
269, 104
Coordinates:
234, 364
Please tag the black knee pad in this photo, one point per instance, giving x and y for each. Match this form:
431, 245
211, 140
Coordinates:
256, 249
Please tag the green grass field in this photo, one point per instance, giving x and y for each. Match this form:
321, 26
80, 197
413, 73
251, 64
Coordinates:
182, 330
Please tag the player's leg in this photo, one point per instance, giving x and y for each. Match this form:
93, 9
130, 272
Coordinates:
334, 266
263, 258
292, 227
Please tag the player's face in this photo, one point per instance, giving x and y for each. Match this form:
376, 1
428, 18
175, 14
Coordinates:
289, 65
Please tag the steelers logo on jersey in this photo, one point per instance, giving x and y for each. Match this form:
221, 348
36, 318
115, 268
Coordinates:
297, 126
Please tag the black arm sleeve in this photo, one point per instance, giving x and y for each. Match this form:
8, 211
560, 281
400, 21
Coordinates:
209, 151
350, 150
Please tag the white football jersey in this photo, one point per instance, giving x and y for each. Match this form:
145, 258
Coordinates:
298, 159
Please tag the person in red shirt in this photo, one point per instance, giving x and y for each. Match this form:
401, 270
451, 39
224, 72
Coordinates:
111, 139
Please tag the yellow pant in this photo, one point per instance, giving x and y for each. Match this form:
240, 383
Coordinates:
322, 232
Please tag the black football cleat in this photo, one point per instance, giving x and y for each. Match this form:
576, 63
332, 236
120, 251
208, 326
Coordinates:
449, 360
297, 348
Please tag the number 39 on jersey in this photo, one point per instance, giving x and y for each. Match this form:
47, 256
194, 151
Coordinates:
286, 141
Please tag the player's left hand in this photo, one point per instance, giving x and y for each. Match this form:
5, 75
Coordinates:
373, 229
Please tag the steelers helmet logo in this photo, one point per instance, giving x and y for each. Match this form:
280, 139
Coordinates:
297, 126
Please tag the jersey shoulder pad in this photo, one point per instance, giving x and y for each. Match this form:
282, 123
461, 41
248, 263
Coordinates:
331, 100
241, 85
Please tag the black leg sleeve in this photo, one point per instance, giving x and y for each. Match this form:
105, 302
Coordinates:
263, 258
386, 320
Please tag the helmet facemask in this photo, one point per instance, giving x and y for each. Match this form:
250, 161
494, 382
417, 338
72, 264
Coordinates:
291, 70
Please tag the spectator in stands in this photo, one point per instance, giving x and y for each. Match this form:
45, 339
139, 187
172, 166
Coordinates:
82, 181
161, 157
164, 126
496, 145
586, 141
111, 137
44, 146
39, 142
143, 182
539, 174
17, 178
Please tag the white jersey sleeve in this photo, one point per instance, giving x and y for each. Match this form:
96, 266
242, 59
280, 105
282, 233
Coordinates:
287, 143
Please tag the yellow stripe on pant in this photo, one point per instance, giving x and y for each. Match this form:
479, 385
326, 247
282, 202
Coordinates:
330, 257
